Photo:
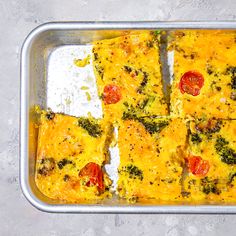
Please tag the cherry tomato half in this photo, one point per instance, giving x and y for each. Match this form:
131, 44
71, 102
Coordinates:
94, 174
111, 94
198, 166
191, 83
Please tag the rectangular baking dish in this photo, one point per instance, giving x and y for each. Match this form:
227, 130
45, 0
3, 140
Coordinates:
34, 58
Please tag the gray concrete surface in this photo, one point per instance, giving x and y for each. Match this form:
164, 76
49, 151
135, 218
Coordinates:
17, 216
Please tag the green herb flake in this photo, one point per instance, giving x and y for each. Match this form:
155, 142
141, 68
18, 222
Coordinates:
88, 96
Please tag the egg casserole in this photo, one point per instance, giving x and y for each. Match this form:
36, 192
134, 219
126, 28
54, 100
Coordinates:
187, 155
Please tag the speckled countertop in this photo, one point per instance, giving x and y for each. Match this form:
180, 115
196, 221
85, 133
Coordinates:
17, 19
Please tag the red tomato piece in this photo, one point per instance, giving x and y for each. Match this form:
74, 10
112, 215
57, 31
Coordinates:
198, 166
111, 94
93, 172
191, 83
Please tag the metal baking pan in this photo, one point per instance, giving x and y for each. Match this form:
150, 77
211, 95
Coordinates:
41, 53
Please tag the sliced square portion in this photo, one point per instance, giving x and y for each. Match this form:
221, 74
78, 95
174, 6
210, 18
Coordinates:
151, 159
204, 74
212, 161
71, 153
128, 72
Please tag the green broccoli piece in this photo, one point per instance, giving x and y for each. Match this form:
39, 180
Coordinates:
231, 70
133, 172
153, 126
93, 128
209, 186
227, 154
196, 139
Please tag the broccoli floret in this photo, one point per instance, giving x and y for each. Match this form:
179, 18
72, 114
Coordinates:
90, 126
231, 70
196, 139
220, 143
133, 171
130, 114
227, 154
209, 186
231, 177
152, 126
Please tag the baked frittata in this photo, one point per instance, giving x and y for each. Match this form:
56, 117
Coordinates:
211, 161
128, 72
204, 74
151, 159
70, 156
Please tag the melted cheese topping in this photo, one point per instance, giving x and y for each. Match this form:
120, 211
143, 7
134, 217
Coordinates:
64, 148
132, 63
213, 54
